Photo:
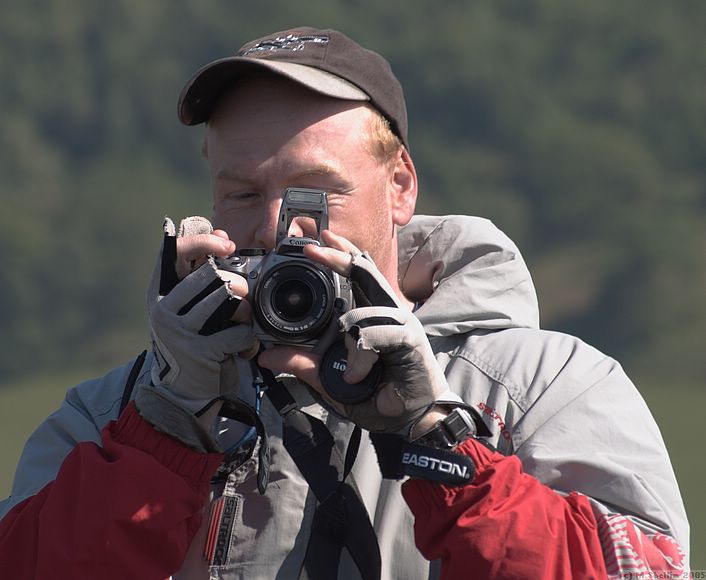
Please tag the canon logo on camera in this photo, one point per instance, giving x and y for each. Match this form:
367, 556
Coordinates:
300, 241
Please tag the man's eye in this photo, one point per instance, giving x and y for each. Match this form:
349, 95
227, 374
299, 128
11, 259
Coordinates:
240, 197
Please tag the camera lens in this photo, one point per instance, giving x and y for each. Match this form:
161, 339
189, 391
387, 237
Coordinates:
293, 299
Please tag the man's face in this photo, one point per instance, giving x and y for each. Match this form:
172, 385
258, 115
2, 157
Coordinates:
269, 135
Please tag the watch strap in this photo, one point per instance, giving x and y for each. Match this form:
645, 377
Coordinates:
448, 432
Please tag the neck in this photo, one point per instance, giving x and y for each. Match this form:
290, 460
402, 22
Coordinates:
391, 272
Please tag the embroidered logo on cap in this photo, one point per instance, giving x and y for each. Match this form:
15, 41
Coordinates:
292, 42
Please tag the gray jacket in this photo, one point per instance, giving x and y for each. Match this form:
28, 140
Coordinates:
567, 411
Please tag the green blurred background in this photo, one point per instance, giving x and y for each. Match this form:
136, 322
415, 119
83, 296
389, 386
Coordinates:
578, 127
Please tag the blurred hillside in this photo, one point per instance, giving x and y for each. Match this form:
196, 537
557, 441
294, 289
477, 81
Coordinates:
579, 128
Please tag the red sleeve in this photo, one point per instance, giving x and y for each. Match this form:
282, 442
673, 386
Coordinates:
506, 524
128, 509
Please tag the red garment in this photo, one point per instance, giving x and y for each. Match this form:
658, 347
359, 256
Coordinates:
128, 509
506, 524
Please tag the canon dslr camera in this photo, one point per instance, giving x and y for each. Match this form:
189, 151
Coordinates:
293, 298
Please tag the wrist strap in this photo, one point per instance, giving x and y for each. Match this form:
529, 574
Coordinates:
398, 458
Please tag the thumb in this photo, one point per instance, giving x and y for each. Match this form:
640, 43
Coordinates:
359, 361
302, 364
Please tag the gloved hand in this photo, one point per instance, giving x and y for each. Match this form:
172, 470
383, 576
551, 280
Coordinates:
412, 381
194, 339
379, 327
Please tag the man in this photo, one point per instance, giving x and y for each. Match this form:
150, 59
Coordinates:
531, 454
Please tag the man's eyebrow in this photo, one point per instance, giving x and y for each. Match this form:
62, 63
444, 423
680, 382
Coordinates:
335, 178
323, 169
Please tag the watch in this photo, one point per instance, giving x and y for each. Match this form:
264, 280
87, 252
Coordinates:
450, 431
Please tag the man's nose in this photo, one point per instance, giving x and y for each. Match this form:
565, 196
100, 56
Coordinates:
266, 232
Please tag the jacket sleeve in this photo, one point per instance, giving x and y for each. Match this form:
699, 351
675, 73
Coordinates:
126, 509
506, 524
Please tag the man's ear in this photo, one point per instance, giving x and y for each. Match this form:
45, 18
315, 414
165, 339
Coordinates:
403, 186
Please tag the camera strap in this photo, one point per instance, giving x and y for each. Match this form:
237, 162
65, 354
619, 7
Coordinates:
132, 380
340, 519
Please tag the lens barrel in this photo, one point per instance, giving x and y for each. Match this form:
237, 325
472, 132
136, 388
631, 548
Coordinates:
294, 300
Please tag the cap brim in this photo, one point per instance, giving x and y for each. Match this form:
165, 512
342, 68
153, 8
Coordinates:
201, 93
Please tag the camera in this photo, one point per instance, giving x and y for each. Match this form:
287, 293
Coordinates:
293, 299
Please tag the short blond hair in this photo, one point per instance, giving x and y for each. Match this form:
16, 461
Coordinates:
382, 144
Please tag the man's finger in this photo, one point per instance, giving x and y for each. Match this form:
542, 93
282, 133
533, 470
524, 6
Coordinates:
338, 242
193, 247
237, 283
237, 286
192, 251
358, 362
221, 234
336, 254
339, 262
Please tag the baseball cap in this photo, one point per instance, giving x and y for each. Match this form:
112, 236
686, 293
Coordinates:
324, 60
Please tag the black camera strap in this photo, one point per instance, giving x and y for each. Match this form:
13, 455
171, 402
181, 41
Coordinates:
340, 519
132, 380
